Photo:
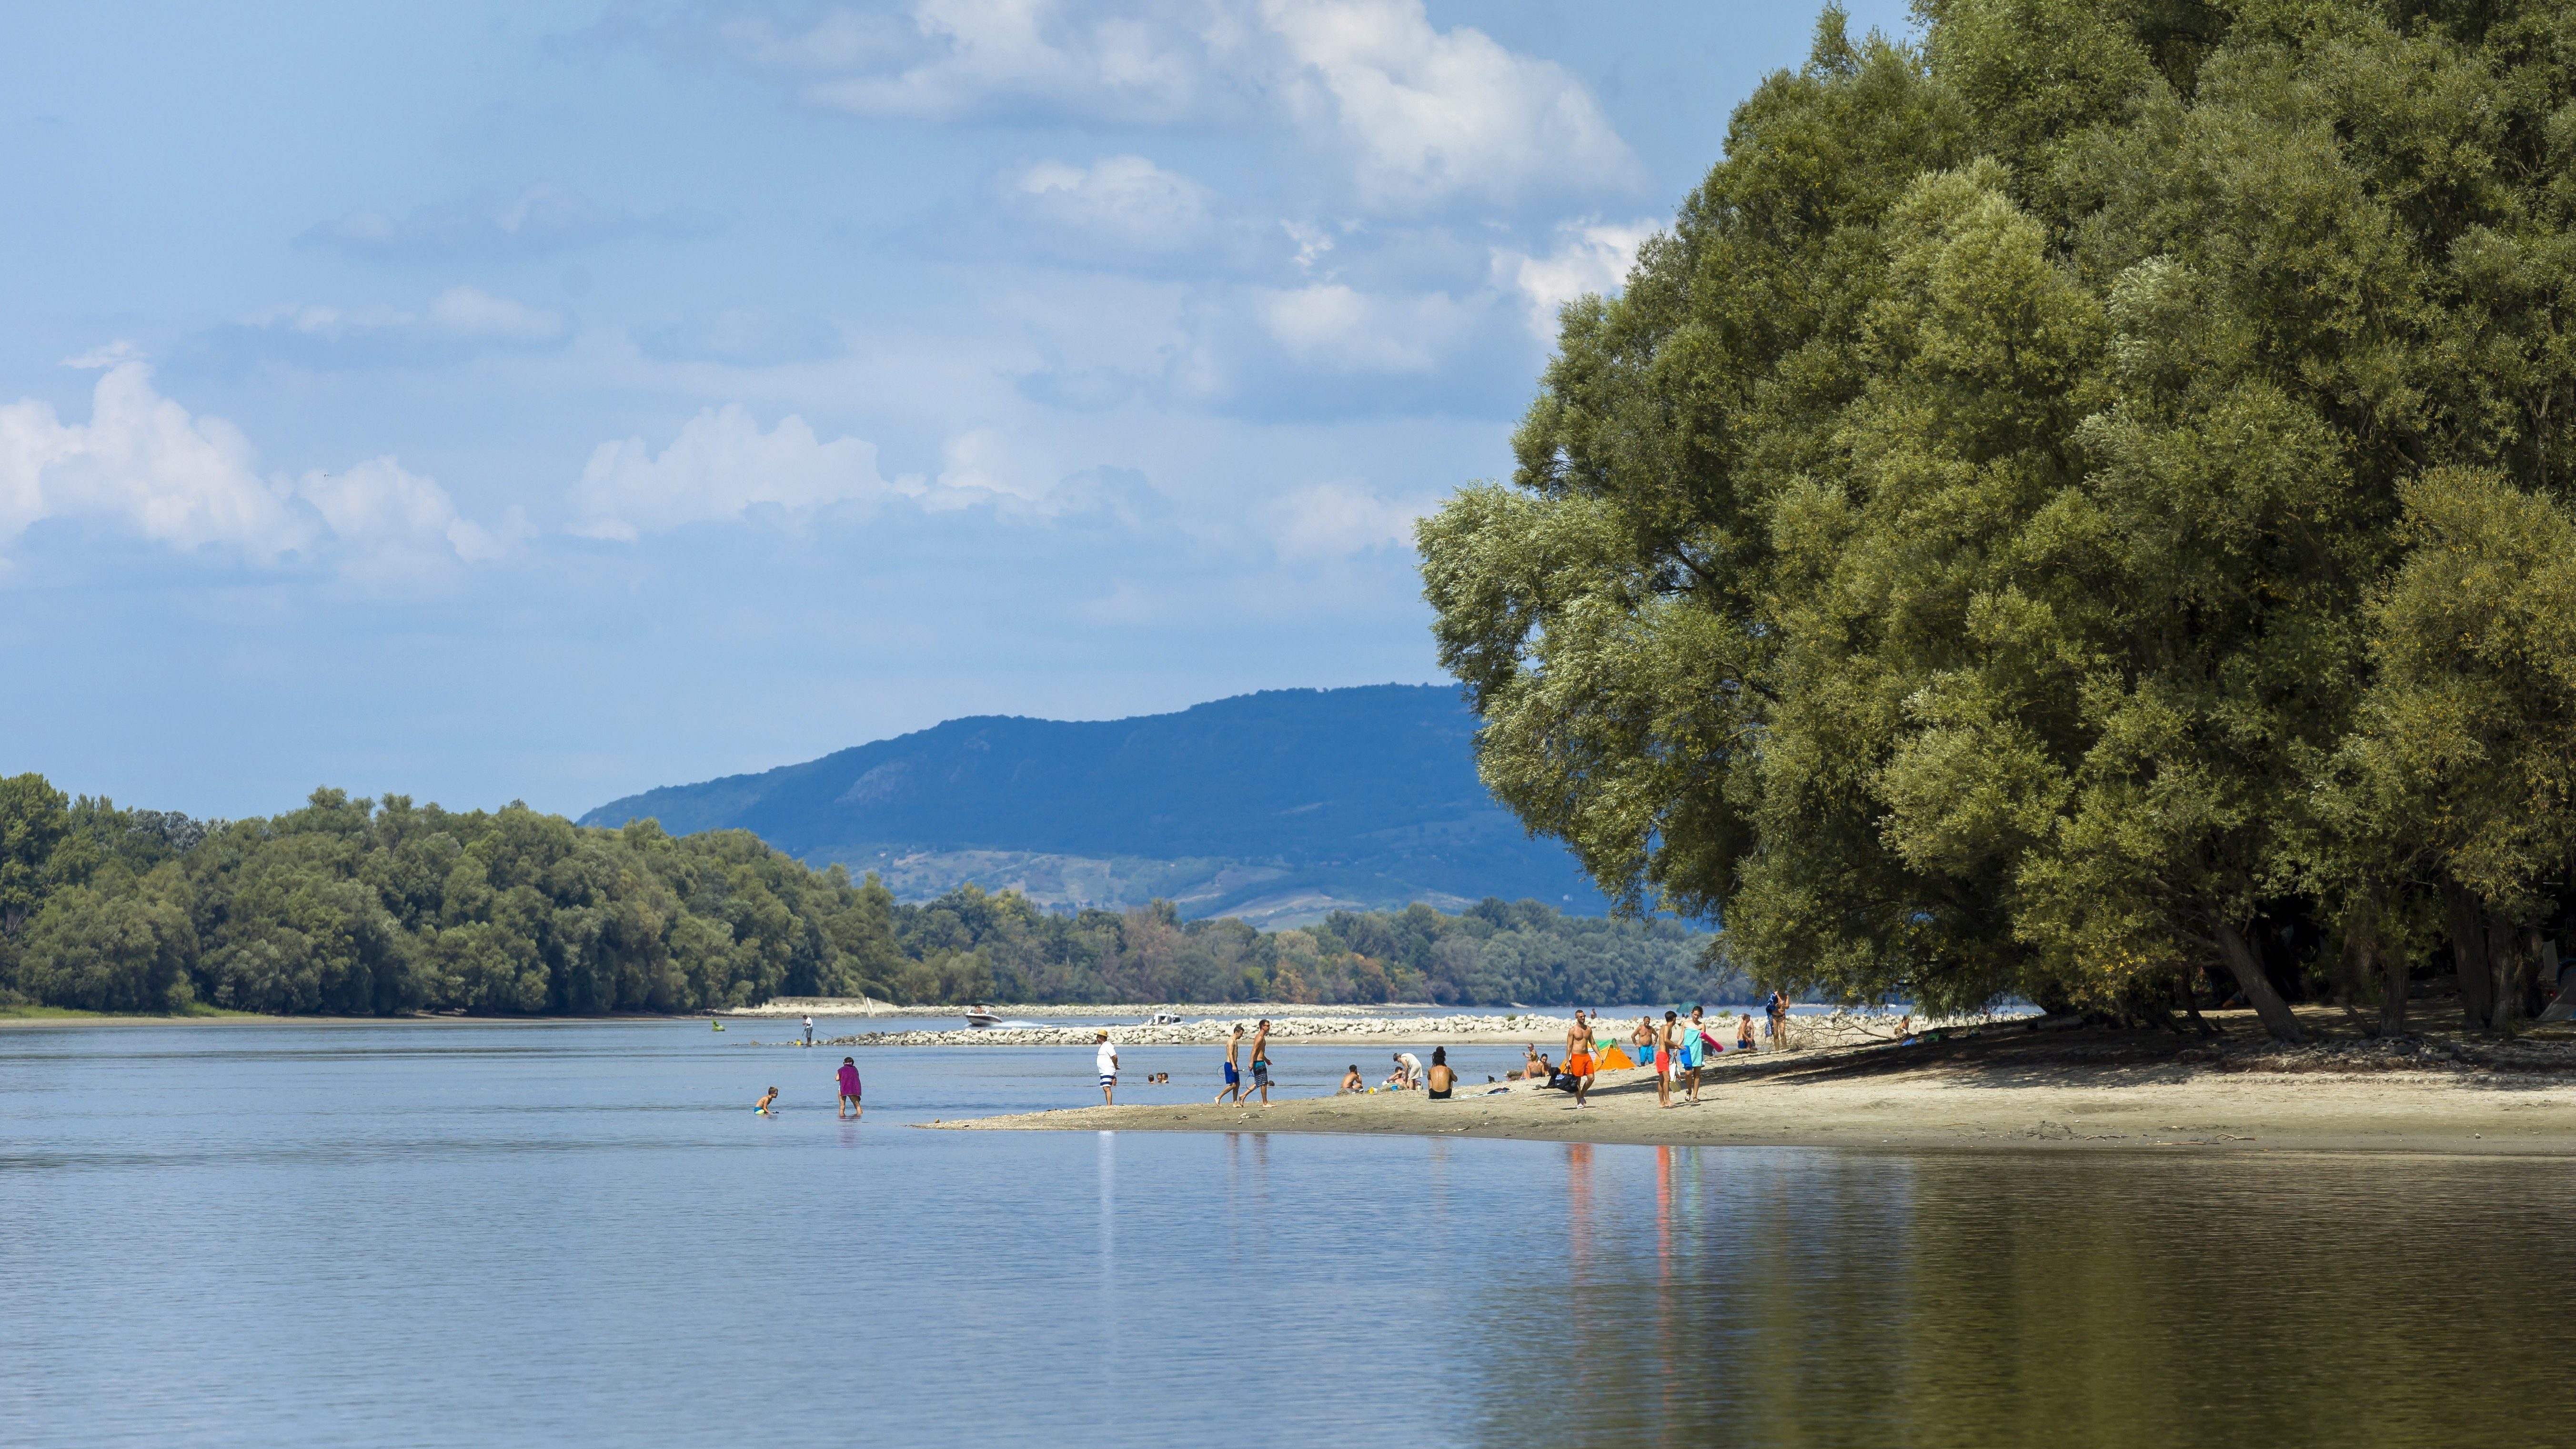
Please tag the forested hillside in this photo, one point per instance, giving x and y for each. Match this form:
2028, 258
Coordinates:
1280, 804
352, 906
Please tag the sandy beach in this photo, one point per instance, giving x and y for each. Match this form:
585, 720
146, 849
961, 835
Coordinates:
2087, 1089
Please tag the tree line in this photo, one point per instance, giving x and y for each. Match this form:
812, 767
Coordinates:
381, 907
2077, 506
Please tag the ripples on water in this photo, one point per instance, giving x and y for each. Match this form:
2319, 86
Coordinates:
471, 1235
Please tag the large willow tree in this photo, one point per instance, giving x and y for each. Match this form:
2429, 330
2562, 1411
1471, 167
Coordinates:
2064, 497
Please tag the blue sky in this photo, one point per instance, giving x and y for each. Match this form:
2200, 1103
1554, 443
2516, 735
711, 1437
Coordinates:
553, 400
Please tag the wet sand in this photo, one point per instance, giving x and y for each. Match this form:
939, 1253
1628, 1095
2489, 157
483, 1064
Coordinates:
2078, 1090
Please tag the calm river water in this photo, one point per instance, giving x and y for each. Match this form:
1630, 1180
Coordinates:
454, 1234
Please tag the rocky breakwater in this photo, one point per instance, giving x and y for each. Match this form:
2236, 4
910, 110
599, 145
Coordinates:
1518, 1026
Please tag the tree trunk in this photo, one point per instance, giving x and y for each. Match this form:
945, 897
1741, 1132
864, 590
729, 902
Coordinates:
2506, 972
2469, 955
2360, 956
2237, 954
2189, 999
2392, 1000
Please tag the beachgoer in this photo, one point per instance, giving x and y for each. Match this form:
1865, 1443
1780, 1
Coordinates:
850, 1105
1696, 1045
1233, 1078
1667, 1042
1261, 1060
1440, 1080
1107, 1059
809, 1031
1744, 1032
763, 1107
1778, 1011
1533, 1066
1408, 1071
1578, 1056
1351, 1080
1905, 1026
1641, 1043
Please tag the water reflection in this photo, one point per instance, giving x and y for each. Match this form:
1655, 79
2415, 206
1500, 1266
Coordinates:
1765, 1297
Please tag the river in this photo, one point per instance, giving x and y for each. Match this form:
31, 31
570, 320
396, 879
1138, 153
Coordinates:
477, 1234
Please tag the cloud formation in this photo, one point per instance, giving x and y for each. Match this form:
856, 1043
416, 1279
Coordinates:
720, 466
1421, 116
542, 220
1589, 256
458, 322
1126, 201
144, 463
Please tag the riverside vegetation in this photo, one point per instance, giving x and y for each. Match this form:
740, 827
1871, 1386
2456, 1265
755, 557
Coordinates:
354, 906
2079, 507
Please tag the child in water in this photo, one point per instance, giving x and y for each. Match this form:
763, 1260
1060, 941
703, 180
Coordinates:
763, 1108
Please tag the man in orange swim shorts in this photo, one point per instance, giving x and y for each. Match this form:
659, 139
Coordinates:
1578, 1056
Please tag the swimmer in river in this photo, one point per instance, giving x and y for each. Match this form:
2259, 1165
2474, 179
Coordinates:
763, 1108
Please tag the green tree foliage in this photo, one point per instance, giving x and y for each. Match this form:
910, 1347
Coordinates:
360, 907
1998, 541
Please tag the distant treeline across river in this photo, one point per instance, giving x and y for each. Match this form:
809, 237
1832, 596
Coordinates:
365, 907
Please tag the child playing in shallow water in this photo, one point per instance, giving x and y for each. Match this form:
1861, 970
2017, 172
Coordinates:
763, 1108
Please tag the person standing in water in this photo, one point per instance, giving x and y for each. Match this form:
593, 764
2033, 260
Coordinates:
1578, 1057
809, 1031
1107, 1059
766, 1102
1233, 1078
850, 1089
1261, 1060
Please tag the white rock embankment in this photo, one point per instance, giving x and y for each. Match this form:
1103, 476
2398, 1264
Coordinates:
1521, 1026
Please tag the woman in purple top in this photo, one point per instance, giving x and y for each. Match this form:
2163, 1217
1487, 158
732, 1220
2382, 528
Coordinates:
850, 1089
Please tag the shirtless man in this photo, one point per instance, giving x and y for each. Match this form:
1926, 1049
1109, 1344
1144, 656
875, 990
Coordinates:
1578, 1056
1233, 1078
1261, 1060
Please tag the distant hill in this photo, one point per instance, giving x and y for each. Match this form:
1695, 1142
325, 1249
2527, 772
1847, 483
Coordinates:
1278, 807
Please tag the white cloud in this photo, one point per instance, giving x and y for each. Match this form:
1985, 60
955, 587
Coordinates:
1422, 116
1590, 256
1333, 326
459, 315
1334, 520
142, 459
192, 482
543, 220
1125, 199
381, 509
976, 57
720, 465
1428, 114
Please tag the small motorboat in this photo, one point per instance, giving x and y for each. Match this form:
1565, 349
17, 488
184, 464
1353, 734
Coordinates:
981, 1016
1164, 1018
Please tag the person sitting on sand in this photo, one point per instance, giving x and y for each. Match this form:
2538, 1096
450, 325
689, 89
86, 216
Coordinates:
1533, 1066
763, 1108
1440, 1079
1351, 1080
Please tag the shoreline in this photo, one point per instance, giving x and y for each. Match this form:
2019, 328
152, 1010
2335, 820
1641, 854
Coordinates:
2078, 1090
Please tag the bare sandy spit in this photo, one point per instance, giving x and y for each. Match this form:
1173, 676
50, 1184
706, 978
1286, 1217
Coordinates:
2075, 1090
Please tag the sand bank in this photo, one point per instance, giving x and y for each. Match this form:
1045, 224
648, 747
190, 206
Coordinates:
2078, 1090
1372, 1024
